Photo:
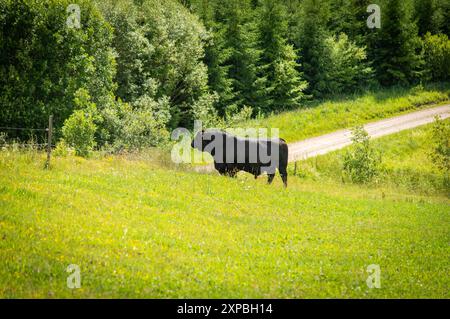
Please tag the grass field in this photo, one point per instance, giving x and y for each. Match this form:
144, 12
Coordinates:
136, 229
405, 164
321, 117
139, 228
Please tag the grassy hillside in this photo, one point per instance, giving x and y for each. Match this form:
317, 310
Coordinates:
405, 163
139, 230
321, 117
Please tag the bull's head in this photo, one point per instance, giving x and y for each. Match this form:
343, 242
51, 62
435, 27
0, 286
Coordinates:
202, 139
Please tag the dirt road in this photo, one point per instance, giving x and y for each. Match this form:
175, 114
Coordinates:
336, 140
333, 141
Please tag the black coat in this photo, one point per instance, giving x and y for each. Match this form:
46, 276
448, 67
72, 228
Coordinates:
255, 156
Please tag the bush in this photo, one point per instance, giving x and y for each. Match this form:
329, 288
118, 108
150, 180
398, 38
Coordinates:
440, 137
62, 149
233, 117
203, 110
347, 68
361, 163
134, 127
79, 129
78, 132
437, 57
145, 125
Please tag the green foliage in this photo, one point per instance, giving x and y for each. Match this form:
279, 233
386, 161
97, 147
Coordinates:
205, 59
437, 57
79, 129
361, 163
62, 149
440, 139
349, 17
203, 110
322, 117
78, 132
217, 54
396, 47
160, 48
347, 68
130, 128
284, 85
43, 62
429, 16
407, 165
234, 117
145, 125
310, 40
245, 72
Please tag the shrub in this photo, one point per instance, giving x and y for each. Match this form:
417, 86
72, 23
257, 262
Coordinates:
437, 56
347, 66
233, 116
135, 126
62, 149
78, 132
440, 139
79, 129
361, 163
145, 125
203, 110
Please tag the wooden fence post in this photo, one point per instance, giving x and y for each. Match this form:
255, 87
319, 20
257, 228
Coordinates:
49, 140
295, 168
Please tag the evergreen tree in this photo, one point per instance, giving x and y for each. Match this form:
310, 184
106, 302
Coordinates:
349, 17
395, 50
427, 15
311, 42
216, 54
242, 39
441, 16
284, 85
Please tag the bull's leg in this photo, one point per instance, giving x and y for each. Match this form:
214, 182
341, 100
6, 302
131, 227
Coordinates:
284, 175
284, 178
232, 173
222, 169
270, 179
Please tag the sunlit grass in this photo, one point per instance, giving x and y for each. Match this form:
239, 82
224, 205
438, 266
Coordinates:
406, 163
138, 230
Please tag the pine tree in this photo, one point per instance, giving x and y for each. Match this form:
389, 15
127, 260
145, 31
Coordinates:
284, 85
241, 39
349, 17
396, 46
428, 15
311, 42
216, 54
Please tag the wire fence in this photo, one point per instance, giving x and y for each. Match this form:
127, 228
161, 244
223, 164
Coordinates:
48, 146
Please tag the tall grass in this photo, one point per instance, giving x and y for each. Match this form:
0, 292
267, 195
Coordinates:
137, 229
406, 164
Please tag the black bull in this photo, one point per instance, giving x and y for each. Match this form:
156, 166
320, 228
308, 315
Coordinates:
255, 156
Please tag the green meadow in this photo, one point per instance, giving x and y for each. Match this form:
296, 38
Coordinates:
140, 229
406, 164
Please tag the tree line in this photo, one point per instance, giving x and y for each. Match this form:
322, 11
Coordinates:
134, 70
